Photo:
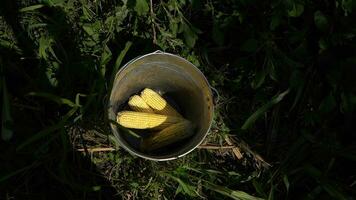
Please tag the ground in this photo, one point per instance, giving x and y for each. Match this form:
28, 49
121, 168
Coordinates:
283, 124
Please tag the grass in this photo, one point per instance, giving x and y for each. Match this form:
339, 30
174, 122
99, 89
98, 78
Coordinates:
284, 71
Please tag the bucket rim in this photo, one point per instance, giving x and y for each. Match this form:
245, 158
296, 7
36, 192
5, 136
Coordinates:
142, 155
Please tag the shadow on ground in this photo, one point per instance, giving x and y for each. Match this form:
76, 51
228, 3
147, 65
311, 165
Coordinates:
39, 162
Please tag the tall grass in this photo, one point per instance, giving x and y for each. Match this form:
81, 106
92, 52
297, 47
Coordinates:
284, 71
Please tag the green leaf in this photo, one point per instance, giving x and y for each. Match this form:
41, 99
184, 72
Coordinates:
121, 56
179, 189
54, 2
96, 188
14, 173
251, 120
31, 8
234, 194
249, 45
348, 102
298, 96
6, 121
286, 182
48, 130
331, 189
51, 73
320, 21
272, 70
173, 26
217, 34
296, 79
197, 4
118, 61
347, 6
90, 30
190, 36
77, 99
87, 13
141, 7
259, 79
105, 58
296, 10
44, 45
328, 104
314, 193
37, 25
10, 45
243, 195
231, 173
186, 188
323, 45
275, 21
181, 27
271, 193
258, 187
52, 97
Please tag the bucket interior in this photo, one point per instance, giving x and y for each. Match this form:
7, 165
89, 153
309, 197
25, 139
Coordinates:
185, 89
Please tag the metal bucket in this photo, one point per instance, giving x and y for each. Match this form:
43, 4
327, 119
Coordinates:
180, 82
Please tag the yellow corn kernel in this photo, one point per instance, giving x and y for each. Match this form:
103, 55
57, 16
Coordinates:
140, 120
167, 136
157, 103
136, 103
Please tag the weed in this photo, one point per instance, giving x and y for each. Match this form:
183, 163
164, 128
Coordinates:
284, 71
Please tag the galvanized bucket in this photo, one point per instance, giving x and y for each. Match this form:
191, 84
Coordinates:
178, 80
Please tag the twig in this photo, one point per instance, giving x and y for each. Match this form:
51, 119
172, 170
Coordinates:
25, 106
215, 147
236, 150
244, 146
153, 23
100, 149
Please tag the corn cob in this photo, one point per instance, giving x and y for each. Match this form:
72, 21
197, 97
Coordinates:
157, 103
136, 103
167, 136
140, 120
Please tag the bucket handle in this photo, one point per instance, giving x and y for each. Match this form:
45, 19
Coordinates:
158, 51
216, 95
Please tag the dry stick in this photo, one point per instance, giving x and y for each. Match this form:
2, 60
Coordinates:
100, 149
244, 146
236, 150
153, 23
215, 147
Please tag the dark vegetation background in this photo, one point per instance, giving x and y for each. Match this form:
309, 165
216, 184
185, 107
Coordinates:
285, 71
